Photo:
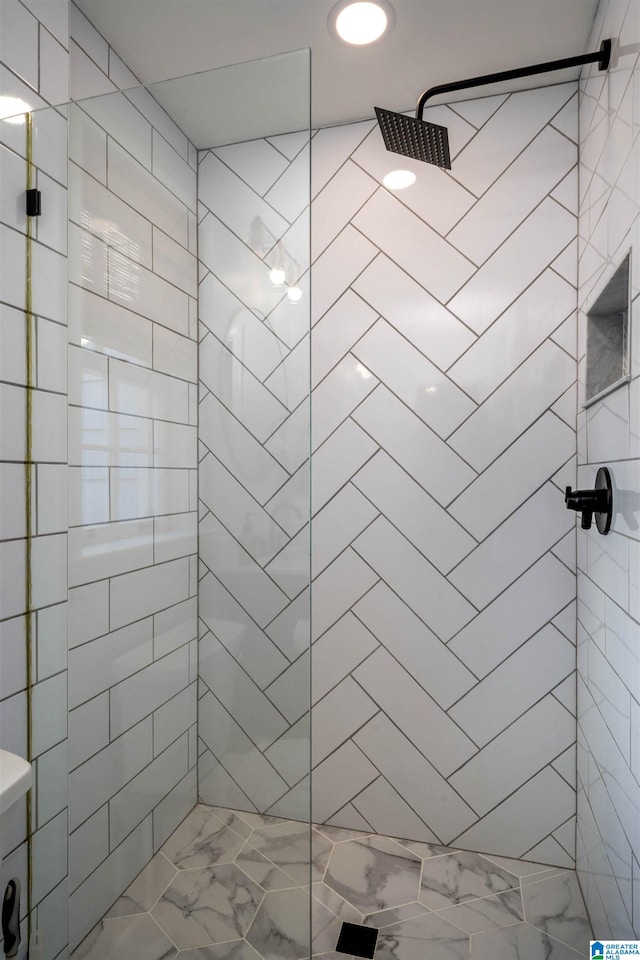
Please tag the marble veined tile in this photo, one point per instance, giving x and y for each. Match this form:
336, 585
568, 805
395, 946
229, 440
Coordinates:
374, 873
338, 833
338, 906
233, 950
520, 942
556, 907
459, 877
426, 850
384, 918
281, 929
263, 871
232, 819
424, 938
145, 890
287, 845
210, 905
202, 840
137, 937
475, 916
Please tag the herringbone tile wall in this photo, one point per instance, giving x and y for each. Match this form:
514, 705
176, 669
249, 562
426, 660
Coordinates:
608, 797
443, 434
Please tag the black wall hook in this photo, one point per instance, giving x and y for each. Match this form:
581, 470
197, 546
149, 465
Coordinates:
598, 501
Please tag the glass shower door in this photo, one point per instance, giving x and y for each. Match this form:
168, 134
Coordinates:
188, 513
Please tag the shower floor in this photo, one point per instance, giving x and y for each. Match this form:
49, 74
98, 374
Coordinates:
230, 885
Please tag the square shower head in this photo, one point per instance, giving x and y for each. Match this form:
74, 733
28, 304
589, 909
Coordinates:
414, 138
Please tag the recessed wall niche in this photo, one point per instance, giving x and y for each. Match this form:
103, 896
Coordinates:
608, 336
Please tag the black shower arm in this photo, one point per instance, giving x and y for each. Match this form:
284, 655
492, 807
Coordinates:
602, 58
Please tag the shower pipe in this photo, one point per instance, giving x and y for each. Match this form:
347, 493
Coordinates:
416, 138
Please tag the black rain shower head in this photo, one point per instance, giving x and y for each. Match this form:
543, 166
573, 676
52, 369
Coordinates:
416, 138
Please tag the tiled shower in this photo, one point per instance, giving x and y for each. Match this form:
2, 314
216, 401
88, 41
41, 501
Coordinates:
442, 330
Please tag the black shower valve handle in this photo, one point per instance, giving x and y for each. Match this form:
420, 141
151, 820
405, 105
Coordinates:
597, 501
584, 502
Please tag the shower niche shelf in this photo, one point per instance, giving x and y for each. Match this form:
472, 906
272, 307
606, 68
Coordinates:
608, 337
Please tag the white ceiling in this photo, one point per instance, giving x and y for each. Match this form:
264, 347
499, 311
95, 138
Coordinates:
434, 41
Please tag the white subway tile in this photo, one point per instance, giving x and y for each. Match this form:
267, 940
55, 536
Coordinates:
88, 495
49, 427
223, 191
54, 16
109, 328
119, 73
49, 283
91, 784
174, 717
51, 494
48, 570
430, 528
238, 328
175, 445
137, 289
12, 170
19, 41
51, 345
86, 35
521, 399
88, 612
51, 641
87, 261
13, 721
172, 169
12, 345
88, 379
49, 856
175, 264
104, 215
146, 393
93, 898
54, 69
138, 492
252, 404
49, 713
51, 782
88, 846
106, 550
145, 691
138, 798
238, 450
138, 594
87, 143
174, 355
88, 729
136, 186
150, 108
172, 810
13, 657
98, 665
98, 438
175, 536
12, 503
86, 79
50, 153
12, 266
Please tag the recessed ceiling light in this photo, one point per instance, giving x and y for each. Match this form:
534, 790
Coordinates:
361, 21
399, 179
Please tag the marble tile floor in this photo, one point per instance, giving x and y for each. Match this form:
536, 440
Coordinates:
230, 885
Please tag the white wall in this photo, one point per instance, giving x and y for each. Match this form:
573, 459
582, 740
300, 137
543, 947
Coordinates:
132, 479
443, 371
608, 854
34, 42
